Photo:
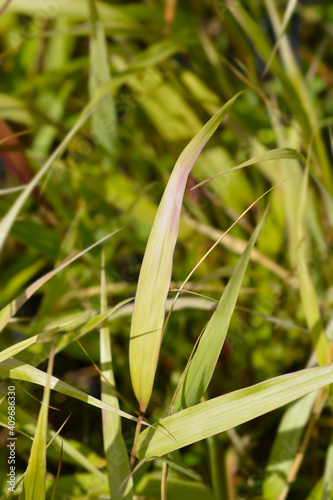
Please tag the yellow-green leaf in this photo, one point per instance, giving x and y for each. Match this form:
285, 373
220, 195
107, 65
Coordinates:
34, 479
202, 365
155, 274
225, 412
104, 126
117, 461
15, 369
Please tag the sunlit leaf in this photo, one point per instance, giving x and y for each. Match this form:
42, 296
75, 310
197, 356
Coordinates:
219, 414
155, 274
202, 365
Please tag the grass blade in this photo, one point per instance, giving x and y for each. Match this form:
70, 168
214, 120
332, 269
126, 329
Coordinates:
286, 445
155, 274
8, 220
35, 476
10, 310
24, 344
225, 412
12, 368
104, 116
274, 154
202, 366
114, 446
307, 290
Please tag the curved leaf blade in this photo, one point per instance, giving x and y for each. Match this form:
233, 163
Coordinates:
17, 370
35, 476
155, 274
225, 412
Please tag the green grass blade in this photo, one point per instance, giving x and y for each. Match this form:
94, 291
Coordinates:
224, 412
286, 445
12, 368
8, 220
116, 455
274, 154
10, 310
291, 6
75, 9
104, 123
328, 473
203, 363
24, 344
307, 290
34, 479
155, 274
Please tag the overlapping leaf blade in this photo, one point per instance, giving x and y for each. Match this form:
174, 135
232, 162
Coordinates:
203, 363
155, 274
219, 414
114, 445
35, 476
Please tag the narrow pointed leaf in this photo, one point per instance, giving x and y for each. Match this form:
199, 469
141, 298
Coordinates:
155, 274
114, 445
10, 310
17, 370
307, 290
286, 445
274, 154
8, 220
104, 116
203, 364
24, 344
35, 476
225, 412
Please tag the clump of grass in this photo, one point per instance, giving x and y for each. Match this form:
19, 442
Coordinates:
166, 346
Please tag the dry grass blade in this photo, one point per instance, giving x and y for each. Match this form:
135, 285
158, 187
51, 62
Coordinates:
114, 444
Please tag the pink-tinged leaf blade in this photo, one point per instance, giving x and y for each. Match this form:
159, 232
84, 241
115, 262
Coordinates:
156, 269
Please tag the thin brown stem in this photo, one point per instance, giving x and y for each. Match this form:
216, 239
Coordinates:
137, 432
4, 7
164, 482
